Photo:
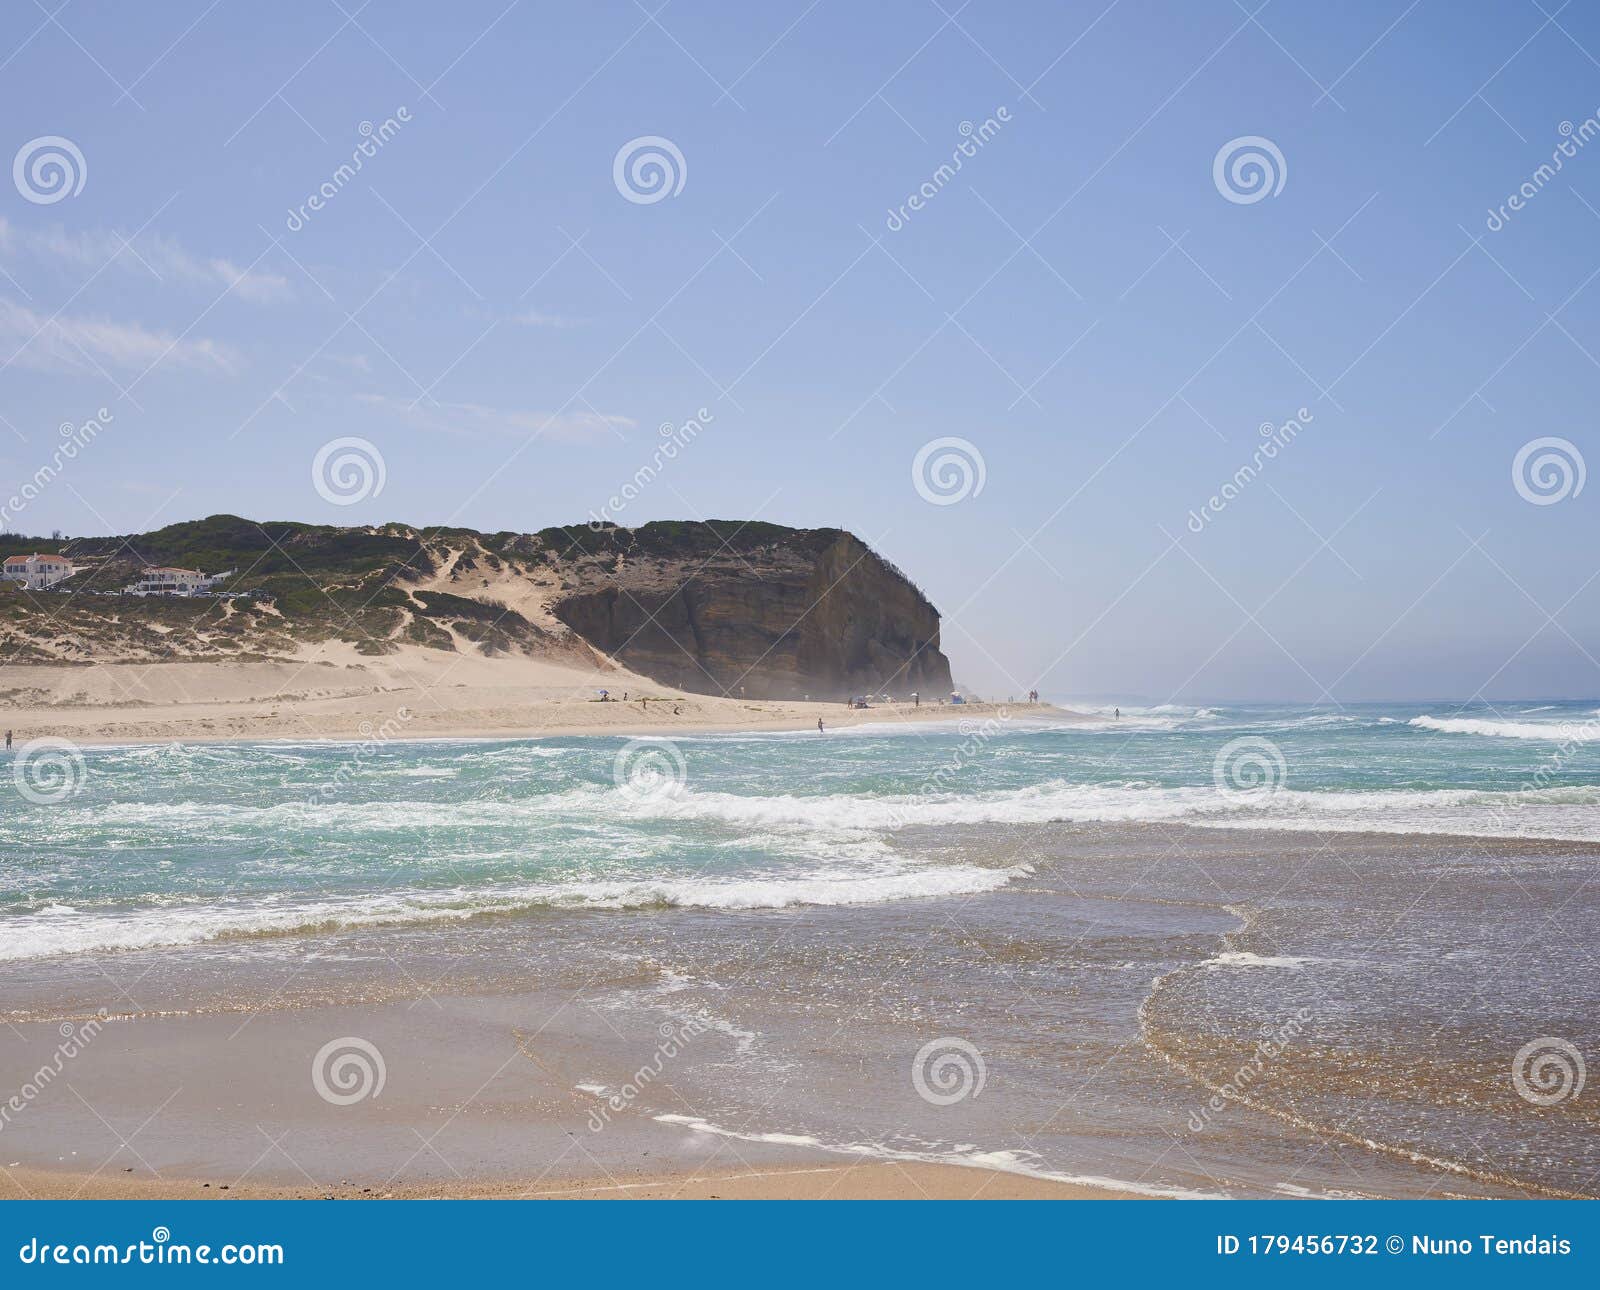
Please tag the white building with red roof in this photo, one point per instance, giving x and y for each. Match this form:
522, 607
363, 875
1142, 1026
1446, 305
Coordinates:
37, 572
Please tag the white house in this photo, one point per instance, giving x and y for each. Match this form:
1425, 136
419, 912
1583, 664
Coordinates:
168, 581
37, 572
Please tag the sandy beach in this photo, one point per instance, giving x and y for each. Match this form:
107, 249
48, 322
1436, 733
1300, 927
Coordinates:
333, 692
204, 1088
802, 1182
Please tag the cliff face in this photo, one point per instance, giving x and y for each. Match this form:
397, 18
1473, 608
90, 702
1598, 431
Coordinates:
711, 607
778, 615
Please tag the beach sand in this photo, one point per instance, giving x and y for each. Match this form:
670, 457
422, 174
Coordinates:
333, 692
866, 1181
207, 1090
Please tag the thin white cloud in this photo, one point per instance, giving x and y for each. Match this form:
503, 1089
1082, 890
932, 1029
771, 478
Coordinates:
477, 419
534, 318
79, 343
333, 369
148, 254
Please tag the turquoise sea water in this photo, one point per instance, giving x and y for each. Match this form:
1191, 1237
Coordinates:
1097, 924
174, 845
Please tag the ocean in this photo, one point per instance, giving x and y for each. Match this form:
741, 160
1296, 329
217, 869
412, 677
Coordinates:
1232, 950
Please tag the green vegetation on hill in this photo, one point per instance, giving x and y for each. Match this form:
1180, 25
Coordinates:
295, 582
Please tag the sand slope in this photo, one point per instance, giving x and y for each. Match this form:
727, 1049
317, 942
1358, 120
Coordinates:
331, 691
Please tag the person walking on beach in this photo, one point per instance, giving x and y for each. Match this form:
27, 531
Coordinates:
819, 725
8, 741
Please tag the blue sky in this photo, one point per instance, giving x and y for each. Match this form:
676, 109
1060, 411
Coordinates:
1080, 303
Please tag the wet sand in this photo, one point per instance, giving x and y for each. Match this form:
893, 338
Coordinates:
440, 1097
800, 1182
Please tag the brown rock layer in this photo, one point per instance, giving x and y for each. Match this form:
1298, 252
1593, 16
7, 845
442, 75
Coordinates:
794, 612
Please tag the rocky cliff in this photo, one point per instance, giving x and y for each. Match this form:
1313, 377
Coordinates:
755, 610
716, 607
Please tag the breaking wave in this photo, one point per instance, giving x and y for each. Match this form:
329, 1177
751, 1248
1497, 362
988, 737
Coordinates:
64, 929
1559, 731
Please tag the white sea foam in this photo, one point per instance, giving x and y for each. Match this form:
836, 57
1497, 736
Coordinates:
815, 824
1244, 959
1025, 1163
1560, 813
1559, 731
63, 929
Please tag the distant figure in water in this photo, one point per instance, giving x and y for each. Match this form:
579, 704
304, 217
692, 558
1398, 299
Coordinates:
819, 725
1117, 714
8, 741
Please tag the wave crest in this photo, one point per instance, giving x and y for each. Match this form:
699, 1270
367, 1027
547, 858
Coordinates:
1559, 731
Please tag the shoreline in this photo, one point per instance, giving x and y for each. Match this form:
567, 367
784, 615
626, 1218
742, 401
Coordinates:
336, 696
687, 725
869, 1180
